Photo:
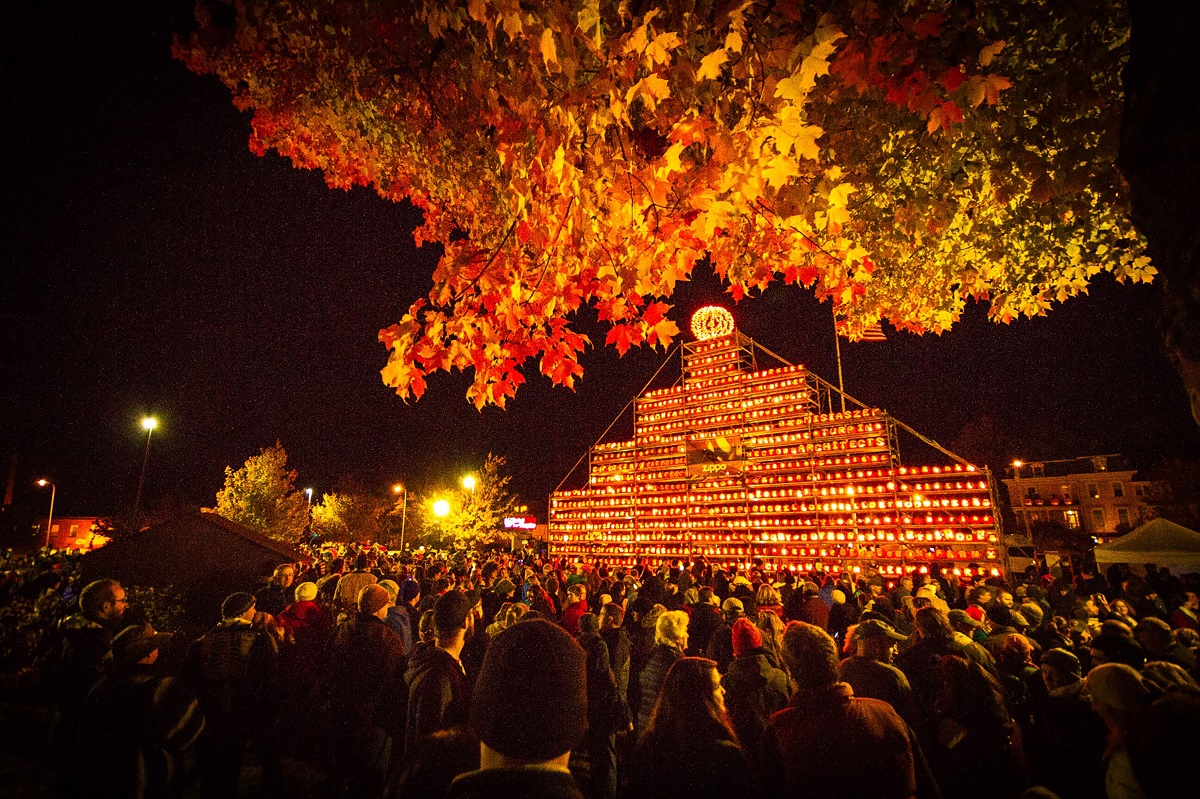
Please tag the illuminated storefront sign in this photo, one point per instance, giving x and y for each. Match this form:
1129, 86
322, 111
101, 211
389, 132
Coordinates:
520, 522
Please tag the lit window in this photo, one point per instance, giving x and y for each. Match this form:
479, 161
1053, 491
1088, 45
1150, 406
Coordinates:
1093, 490
1072, 519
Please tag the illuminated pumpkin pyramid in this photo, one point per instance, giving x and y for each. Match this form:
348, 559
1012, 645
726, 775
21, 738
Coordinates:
740, 464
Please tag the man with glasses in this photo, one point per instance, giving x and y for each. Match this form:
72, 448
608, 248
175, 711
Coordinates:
85, 640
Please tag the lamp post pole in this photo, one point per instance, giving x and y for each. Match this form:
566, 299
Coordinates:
148, 424
50, 518
400, 488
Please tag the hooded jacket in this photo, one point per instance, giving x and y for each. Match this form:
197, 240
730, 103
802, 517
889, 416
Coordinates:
439, 696
754, 689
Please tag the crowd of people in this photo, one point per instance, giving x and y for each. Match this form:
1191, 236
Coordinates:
517, 676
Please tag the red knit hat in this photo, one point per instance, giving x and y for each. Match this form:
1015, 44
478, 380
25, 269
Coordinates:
746, 637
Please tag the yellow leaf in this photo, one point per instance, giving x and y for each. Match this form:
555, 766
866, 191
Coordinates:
794, 88
559, 161
672, 156
991, 51
839, 195
658, 51
589, 19
779, 171
478, 10
549, 49
710, 65
652, 88
733, 42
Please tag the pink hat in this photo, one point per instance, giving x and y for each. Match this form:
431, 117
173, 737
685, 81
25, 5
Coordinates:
746, 637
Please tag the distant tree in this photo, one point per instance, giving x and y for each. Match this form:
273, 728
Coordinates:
348, 516
476, 516
262, 495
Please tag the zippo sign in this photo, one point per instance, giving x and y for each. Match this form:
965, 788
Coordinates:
520, 523
715, 457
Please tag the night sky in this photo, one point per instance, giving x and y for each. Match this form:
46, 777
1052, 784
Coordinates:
155, 265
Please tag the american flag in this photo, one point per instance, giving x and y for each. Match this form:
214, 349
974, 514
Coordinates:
873, 332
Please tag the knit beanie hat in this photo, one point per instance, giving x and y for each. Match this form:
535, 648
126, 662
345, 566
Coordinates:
838, 596
236, 604
410, 590
533, 671
306, 592
391, 587
373, 597
746, 637
503, 587
450, 612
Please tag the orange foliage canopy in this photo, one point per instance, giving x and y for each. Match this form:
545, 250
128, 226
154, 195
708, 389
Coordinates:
898, 158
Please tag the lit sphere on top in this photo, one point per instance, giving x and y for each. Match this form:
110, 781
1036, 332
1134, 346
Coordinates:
711, 321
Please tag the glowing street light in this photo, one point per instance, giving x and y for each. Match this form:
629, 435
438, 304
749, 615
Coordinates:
50, 519
441, 508
399, 488
148, 424
468, 483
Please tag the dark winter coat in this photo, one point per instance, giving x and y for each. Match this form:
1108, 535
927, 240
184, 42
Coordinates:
874, 680
720, 643
84, 644
515, 782
619, 647
439, 696
701, 767
233, 671
366, 675
134, 726
754, 689
831, 743
607, 711
651, 680
704, 620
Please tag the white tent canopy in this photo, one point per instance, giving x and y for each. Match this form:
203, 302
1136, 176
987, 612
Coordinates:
1160, 542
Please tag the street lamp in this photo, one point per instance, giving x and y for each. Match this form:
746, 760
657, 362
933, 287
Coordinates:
441, 508
148, 424
468, 483
50, 519
399, 488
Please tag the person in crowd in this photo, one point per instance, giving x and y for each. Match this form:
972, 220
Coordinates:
1156, 639
1122, 611
576, 607
233, 670
768, 598
705, 619
870, 673
1120, 696
966, 624
276, 594
607, 714
438, 691
1187, 615
975, 734
687, 749
367, 693
754, 689
1024, 689
526, 664
350, 585
307, 629
1068, 737
841, 615
771, 626
670, 639
136, 724
932, 640
828, 742
499, 621
407, 600
616, 638
812, 610
85, 640
720, 643
1168, 742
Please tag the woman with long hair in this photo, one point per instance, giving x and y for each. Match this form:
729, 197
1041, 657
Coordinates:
688, 750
